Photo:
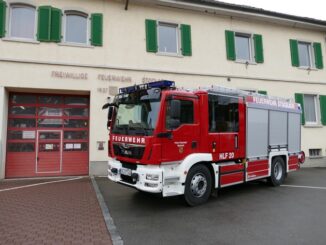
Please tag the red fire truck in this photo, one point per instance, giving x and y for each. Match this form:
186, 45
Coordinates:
191, 142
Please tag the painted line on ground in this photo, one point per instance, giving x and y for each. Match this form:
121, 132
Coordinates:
305, 187
38, 184
112, 229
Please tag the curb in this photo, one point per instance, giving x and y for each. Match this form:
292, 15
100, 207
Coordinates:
112, 229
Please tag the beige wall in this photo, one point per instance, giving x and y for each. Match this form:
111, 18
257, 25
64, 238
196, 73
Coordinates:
29, 66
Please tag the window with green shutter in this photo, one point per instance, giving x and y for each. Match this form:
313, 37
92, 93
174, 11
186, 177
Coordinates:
244, 47
299, 98
3, 7
44, 23
186, 40
318, 56
259, 50
56, 19
262, 92
322, 100
151, 36
97, 29
230, 45
294, 52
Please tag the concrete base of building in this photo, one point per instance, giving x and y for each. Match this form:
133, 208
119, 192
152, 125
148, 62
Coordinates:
98, 168
314, 162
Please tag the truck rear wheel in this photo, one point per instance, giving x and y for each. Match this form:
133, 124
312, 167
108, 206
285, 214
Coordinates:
198, 185
277, 172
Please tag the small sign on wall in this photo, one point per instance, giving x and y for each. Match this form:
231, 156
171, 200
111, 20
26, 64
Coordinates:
100, 145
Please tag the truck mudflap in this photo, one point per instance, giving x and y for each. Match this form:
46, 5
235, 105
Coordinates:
147, 178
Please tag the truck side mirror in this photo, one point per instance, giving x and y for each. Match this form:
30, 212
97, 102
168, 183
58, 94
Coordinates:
175, 114
111, 111
175, 109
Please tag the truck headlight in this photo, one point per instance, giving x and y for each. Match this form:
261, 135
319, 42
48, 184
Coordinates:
154, 177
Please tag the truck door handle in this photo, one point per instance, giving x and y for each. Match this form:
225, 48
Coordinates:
236, 143
165, 135
194, 144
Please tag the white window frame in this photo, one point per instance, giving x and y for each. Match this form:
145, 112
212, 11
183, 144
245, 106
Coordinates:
311, 55
251, 47
317, 110
64, 30
22, 4
178, 41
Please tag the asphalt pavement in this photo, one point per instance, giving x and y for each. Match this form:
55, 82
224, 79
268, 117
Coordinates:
252, 213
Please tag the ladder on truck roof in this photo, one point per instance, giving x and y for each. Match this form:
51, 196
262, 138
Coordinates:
238, 92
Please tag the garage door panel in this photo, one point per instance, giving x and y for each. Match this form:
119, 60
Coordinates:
31, 118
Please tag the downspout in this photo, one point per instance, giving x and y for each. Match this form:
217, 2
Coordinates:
126, 5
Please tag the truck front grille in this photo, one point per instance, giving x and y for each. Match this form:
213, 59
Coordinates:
135, 152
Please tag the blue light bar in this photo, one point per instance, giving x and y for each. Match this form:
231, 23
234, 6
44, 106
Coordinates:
158, 84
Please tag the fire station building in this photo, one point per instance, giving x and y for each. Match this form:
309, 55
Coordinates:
61, 60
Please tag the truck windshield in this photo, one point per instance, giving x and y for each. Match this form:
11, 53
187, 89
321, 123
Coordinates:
136, 115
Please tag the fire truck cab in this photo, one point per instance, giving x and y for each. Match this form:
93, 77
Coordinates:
190, 142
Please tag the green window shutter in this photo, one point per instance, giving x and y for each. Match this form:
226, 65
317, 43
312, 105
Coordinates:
44, 23
151, 36
56, 17
299, 98
259, 49
294, 52
97, 29
230, 45
318, 56
262, 92
3, 7
322, 100
186, 40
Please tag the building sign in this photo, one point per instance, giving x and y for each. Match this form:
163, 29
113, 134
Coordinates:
150, 79
69, 75
114, 78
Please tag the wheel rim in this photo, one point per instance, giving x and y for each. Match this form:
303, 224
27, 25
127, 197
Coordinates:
278, 171
198, 185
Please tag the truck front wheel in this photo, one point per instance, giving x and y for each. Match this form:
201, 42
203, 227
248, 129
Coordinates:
198, 185
277, 172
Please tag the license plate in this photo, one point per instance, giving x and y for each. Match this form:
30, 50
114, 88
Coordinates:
125, 171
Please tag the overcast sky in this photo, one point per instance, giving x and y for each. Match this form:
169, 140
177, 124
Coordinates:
313, 8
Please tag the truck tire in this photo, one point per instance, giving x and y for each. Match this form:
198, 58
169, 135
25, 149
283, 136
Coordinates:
198, 186
277, 172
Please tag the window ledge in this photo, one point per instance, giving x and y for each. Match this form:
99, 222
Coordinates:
307, 68
316, 157
246, 62
313, 126
21, 40
76, 45
169, 54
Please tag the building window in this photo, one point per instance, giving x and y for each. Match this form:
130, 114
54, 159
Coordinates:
311, 111
315, 153
243, 47
168, 38
76, 27
22, 21
306, 55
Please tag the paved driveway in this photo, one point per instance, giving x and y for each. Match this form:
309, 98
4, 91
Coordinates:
51, 211
247, 214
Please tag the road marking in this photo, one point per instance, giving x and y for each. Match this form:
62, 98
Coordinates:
306, 187
38, 184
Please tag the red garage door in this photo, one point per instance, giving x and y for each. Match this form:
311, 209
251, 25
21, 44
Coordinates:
47, 135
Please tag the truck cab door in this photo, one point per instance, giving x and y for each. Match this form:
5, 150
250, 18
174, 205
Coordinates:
226, 127
179, 139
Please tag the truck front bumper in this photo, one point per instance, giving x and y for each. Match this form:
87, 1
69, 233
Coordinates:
147, 178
